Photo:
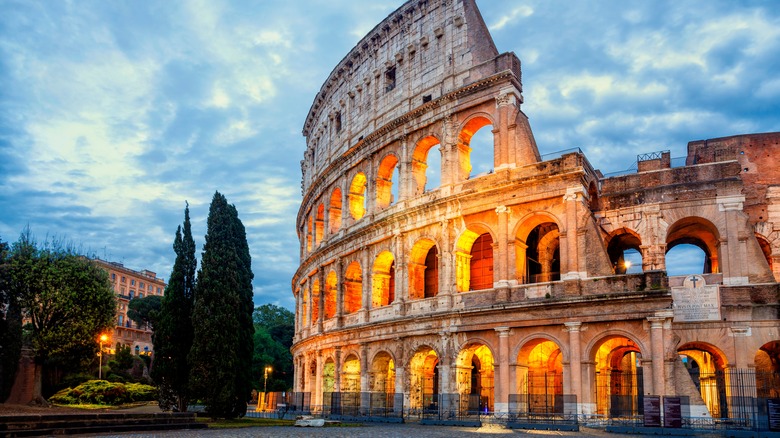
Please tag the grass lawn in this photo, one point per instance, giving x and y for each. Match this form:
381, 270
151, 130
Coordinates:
243, 422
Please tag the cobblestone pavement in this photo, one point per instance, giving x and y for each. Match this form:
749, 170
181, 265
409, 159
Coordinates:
367, 430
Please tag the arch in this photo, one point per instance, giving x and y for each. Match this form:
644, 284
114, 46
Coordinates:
381, 377
309, 232
353, 288
319, 225
464, 258
619, 379
331, 299
357, 196
486, 152
305, 296
421, 172
475, 377
706, 365
537, 250
540, 376
315, 301
619, 243
767, 361
423, 270
334, 211
384, 181
383, 280
424, 378
350, 374
699, 232
329, 376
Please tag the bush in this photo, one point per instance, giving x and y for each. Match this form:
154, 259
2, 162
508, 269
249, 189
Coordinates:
102, 392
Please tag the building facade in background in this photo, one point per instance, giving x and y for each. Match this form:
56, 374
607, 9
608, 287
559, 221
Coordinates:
128, 285
425, 284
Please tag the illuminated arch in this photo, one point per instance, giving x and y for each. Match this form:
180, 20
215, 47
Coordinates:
420, 170
706, 365
464, 259
350, 374
382, 375
334, 211
618, 243
423, 378
319, 225
423, 270
475, 379
331, 302
537, 248
767, 361
699, 232
618, 376
383, 280
315, 301
540, 376
384, 181
353, 288
357, 196
465, 148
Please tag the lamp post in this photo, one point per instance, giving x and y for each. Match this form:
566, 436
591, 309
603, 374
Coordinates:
103, 338
267, 370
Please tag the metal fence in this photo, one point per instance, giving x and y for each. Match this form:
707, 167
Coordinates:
365, 405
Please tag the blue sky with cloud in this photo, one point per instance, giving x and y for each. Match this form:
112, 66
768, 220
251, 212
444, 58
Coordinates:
112, 114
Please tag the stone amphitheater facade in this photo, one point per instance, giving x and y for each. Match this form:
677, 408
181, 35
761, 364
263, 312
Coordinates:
510, 287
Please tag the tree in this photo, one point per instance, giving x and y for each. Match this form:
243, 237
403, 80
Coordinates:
145, 311
173, 330
10, 326
67, 299
221, 355
274, 330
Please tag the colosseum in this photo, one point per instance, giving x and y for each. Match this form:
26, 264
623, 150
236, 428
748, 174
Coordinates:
428, 287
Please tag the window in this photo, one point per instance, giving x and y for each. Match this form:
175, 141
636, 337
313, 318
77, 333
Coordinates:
390, 79
113, 277
141, 285
140, 294
150, 288
132, 282
338, 121
124, 280
132, 294
121, 319
158, 291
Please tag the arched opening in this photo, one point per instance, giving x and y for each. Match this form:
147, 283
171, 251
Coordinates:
767, 362
688, 234
304, 308
328, 376
475, 379
540, 377
424, 379
426, 165
706, 365
349, 403
624, 250
381, 383
423, 270
476, 148
766, 249
353, 288
334, 219
309, 232
319, 225
619, 379
542, 260
384, 181
315, 301
481, 268
383, 280
331, 282
357, 196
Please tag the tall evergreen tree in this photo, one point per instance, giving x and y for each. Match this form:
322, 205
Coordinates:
221, 355
173, 331
10, 326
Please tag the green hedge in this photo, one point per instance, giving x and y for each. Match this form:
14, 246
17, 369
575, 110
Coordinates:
102, 392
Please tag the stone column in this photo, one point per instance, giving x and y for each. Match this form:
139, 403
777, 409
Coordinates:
401, 274
339, 265
321, 300
571, 260
365, 399
311, 301
504, 213
316, 397
657, 350
367, 273
734, 246
744, 356
575, 362
337, 373
502, 386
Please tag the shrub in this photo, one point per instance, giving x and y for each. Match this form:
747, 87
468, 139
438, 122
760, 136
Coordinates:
102, 392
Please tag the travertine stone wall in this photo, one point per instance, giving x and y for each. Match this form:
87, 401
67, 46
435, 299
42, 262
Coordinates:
550, 231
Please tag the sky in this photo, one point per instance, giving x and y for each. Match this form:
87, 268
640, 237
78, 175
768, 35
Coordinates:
113, 114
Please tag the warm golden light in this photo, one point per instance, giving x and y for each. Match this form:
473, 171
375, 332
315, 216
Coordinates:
627, 264
103, 338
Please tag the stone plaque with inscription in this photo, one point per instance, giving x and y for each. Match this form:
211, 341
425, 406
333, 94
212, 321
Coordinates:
696, 300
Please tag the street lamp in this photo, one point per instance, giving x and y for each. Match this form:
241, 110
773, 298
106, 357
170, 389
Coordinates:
267, 370
103, 338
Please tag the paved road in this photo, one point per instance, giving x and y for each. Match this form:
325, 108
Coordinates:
367, 430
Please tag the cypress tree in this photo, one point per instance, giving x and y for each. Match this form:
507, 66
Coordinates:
173, 332
221, 355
